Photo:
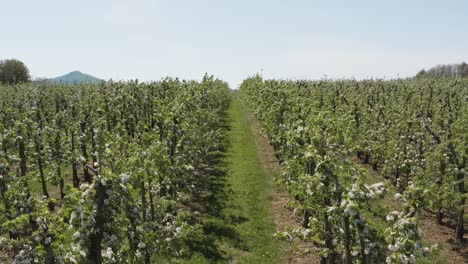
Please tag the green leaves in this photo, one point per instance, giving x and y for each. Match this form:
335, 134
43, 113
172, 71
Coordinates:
409, 130
142, 146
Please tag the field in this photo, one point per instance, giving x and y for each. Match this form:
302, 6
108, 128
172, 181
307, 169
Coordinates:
279, 171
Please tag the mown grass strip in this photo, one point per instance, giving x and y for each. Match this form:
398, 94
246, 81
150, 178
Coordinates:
244, 228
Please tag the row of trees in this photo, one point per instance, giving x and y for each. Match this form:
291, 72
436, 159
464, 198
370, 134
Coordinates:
105, 174
413, 132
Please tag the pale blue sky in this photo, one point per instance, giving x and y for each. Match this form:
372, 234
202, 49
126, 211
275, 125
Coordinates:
124, 39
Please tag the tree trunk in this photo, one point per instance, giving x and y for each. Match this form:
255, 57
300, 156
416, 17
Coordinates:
6, 204
59, 164
329, 240
61, 183
95, 255
76, 180
362, 241
22, 155
84, 152
49, 257
460, 230
305, 220
40, 164
439, 181
93, 147
151, 201
366, 157
347, 241
143, 200
440, 216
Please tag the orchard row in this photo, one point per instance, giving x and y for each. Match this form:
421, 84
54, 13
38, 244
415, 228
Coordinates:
414, 132
93, 174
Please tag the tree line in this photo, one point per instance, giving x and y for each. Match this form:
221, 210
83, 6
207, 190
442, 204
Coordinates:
445, 71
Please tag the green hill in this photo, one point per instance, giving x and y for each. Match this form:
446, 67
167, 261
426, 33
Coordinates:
76, 77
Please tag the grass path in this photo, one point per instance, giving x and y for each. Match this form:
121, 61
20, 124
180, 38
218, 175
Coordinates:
251, 190
242, 227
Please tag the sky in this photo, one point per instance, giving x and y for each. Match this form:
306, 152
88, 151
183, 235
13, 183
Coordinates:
149, 40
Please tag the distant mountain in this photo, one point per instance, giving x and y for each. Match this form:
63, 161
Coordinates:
75, 77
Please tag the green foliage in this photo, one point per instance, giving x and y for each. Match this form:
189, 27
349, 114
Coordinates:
136, 155
413, 131
13, 72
